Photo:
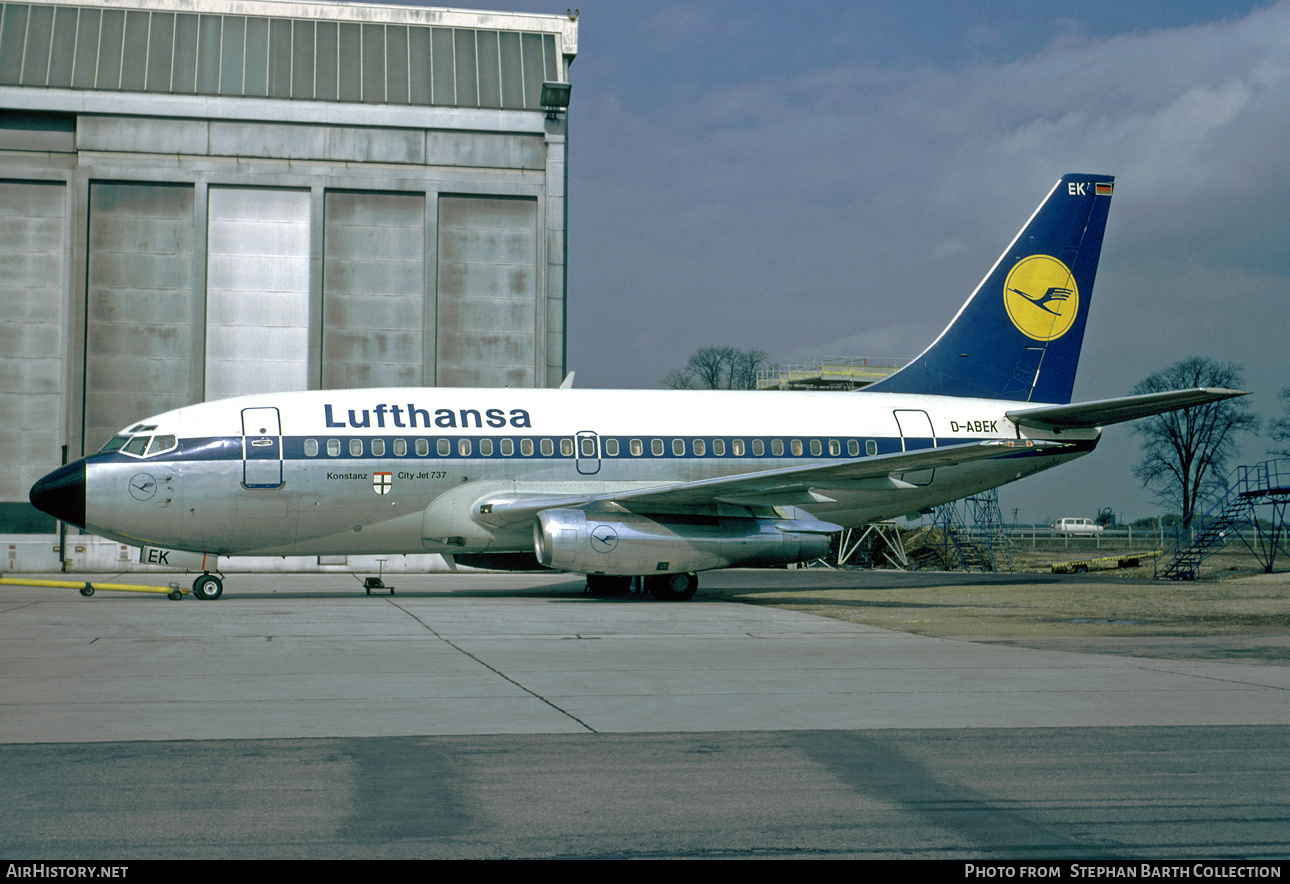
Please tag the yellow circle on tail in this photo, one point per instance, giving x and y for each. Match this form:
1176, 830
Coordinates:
1041, 297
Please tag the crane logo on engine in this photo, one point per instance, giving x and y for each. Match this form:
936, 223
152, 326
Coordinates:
603, 539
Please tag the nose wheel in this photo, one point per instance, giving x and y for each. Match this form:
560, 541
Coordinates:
208, 587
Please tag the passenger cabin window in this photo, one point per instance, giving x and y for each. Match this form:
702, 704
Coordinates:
588, 446
400, 447
719, 447
853, 447
463, 447
815, 448
636, 447
378, 448
443, 447
737, 447
355, 447
758, 448
656, 447
311, 448
486, 447
700, 448
870, 447
797, 448
423, 447
526, 447
508, 447
333, 447
777, 447
548, 448
678, 447
611, 448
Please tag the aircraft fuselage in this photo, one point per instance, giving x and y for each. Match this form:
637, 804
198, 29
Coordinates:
399, 470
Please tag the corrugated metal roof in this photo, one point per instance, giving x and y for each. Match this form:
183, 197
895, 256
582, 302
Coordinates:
296, 51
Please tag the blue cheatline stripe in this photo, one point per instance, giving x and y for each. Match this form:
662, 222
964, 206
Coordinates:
229, 448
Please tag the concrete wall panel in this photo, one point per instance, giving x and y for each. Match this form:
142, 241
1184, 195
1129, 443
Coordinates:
488, 266
32, 341
143, 135
257, 291
373, 289
484, 150
138, 304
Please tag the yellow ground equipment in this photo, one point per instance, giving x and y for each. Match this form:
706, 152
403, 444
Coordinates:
87, 589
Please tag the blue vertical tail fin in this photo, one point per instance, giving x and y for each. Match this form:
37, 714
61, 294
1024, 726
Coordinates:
1019, 335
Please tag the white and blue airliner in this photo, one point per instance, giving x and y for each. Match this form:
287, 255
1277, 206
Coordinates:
623, 484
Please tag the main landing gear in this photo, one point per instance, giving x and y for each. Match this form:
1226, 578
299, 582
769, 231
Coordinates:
673, 587
664, 587
208, 587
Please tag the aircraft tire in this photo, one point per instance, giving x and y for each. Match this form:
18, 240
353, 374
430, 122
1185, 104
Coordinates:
208, 587
87, 591
608, 585
673, 587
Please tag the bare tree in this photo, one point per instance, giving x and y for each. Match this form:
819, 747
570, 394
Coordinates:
717, 368
1279, 429
1185, 453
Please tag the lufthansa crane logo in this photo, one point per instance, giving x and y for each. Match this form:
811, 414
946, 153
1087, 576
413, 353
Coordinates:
1041, 297
142, 486
603, 539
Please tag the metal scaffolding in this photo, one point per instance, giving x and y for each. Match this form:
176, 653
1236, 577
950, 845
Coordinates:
1229, 515
827, 373
968, 534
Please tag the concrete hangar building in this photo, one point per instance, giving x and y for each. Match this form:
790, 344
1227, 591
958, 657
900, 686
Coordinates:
208, 198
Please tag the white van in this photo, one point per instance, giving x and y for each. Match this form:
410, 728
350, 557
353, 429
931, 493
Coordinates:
1076, 528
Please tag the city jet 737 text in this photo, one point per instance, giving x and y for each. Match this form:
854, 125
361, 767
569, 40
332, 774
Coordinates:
624, 484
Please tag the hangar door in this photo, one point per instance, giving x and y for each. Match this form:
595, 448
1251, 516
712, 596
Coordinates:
139, 304
374, 303
487, 328
32, 322
257, 291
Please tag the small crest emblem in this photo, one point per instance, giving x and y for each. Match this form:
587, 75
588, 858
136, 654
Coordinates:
382, 482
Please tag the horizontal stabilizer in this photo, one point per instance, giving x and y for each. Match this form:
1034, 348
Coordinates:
1087, 415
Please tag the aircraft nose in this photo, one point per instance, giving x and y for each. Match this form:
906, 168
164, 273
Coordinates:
61, 494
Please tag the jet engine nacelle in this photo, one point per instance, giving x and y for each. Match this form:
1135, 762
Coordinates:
630, 544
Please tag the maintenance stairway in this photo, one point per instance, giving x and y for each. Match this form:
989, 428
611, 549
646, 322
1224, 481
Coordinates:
1228, 516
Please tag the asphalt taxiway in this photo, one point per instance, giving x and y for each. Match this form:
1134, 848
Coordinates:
501, 715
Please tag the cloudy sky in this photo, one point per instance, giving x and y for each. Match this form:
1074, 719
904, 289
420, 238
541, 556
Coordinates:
820, 178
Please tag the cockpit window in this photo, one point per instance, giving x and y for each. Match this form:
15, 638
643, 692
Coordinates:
160, 444
141, 446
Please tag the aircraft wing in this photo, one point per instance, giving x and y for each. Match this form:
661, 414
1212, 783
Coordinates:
780, 487
1087, 415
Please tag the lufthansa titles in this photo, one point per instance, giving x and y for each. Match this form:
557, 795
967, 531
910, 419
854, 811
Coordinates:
410, 417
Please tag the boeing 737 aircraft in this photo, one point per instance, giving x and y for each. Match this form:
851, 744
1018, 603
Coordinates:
617, 484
